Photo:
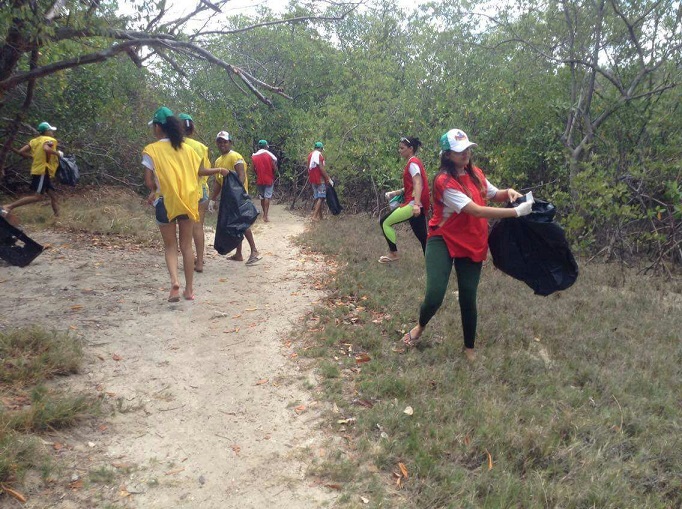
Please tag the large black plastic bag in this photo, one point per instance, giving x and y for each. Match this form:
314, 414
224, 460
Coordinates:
17, 248
67, 172
236, 213
333, 201
534, 249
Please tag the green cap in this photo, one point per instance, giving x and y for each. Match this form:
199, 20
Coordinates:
161, 115
185, 116
44, 126
262, 143
318, 144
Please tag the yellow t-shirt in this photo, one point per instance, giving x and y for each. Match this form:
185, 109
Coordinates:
177, 174
229, 161
202, 152
41, 160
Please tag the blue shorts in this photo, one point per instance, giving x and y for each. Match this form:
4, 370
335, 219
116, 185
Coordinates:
265, 192
319, 190
162, 214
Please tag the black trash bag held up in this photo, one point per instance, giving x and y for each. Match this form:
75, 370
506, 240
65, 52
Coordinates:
17, 248
67, 172
333, 201
236, 213
534, 249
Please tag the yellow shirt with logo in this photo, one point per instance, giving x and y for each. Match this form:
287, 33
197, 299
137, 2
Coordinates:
41, 160
202, 152
177, 174
229, 161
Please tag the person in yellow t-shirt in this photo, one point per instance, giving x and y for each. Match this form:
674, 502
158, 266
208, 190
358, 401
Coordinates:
233, 161
172, 169
202, 152
43, 151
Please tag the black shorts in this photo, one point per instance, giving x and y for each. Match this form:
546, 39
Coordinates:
41, 183
162, 213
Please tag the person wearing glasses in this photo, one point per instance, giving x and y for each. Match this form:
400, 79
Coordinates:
415, 202
458, 234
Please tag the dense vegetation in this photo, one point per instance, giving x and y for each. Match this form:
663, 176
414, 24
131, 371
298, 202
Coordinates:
578, 100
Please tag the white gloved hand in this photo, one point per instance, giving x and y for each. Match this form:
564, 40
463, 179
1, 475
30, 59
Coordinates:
524, 209
61, 154
211, 206
331, 182
388, 195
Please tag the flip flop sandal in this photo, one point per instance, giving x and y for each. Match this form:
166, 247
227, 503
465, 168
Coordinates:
253, 259
387, 259
409, 341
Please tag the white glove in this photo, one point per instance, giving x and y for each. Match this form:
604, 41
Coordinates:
211, 206
61, 154
524, 209
331, 182
388, 195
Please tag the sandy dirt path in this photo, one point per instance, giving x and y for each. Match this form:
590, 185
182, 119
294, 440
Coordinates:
210, 410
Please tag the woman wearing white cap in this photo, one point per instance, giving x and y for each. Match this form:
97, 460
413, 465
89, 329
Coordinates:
458, 234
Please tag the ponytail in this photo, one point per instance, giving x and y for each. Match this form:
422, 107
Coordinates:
174, 131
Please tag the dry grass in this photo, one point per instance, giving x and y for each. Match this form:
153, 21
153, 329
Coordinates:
574, 401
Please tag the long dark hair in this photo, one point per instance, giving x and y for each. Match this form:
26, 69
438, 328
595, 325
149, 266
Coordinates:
448, 167
173, 129
413, 142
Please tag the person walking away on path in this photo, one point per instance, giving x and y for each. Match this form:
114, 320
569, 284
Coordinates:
171, 173
265, 166
317, 175
458, 234
415, 204
202, 152
43, 150
233, 161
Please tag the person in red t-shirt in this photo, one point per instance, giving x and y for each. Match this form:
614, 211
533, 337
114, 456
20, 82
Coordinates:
316, 175
458, 234
415, 203
265, 166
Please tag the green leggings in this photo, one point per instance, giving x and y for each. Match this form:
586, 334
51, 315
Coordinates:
438, 267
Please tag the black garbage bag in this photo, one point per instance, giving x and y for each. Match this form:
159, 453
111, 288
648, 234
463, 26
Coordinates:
534, 249
17, 248
333, 201
67, 172
236, 213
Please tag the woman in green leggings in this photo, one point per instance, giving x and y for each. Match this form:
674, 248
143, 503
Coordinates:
458, 234
415, 203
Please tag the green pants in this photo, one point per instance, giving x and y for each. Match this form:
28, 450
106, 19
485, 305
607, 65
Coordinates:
438, 268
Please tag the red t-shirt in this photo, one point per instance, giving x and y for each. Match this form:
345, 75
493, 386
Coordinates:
264, 166
314, 173
408, 184
465, 236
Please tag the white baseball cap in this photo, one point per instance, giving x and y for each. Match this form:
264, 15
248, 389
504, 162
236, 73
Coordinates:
455, 140
223, 135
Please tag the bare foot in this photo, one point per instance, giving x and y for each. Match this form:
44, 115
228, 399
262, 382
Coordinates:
266, 220
236, 258
199, 266
174, 293
188, 294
